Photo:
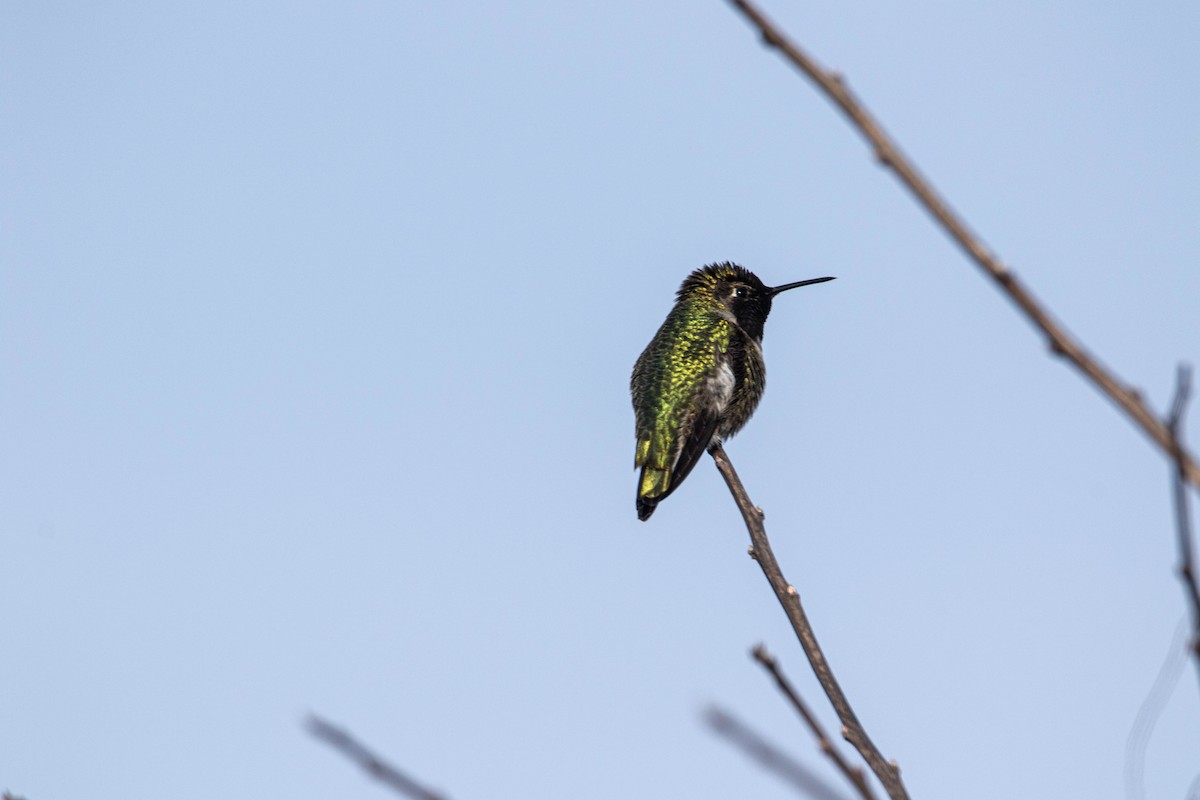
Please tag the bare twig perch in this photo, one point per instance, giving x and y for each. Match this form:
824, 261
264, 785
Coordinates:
1127, 398
853, 774
1183, 522
769, 756
887, 772
379, 769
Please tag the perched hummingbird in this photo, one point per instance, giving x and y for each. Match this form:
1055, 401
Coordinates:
701, 376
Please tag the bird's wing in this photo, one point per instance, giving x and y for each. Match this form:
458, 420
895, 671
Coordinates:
672, 438
655, 484
699, 438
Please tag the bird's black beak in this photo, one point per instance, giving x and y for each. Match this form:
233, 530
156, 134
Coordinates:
777, 289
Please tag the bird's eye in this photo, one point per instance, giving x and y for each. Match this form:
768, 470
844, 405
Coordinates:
738, 291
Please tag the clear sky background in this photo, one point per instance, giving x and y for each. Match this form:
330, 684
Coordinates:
316, 324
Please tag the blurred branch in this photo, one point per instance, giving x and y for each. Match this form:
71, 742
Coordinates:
1150, 711
1183, 523
760, 550
1127, 398
853, 774
379, 769
768, 756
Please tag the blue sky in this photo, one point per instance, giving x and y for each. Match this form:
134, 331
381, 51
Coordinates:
316, 323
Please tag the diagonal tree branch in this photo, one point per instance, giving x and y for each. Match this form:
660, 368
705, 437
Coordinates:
1183, 522
1127, 398
853, 774
888, 772
379, 769
770, 757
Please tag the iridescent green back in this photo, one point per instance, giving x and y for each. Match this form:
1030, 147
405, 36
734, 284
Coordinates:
667, 381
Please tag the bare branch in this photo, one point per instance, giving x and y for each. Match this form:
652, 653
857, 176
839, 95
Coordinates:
887, 772
1183, 523
853, 774
1127, 398
379, 769
770, 757
1150, 711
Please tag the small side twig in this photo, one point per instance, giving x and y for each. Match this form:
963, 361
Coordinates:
1183, 522
770, 757
888, 772
379, 769
853, 774
888, 153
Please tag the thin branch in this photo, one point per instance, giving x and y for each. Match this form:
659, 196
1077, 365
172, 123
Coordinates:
853, 774
1151, 710
888, 772
1127, 398
770, 757
379, 769
1183, 523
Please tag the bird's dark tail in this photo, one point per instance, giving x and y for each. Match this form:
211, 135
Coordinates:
645, 507
653, 487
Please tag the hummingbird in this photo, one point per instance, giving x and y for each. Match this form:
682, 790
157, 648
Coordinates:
702, 375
